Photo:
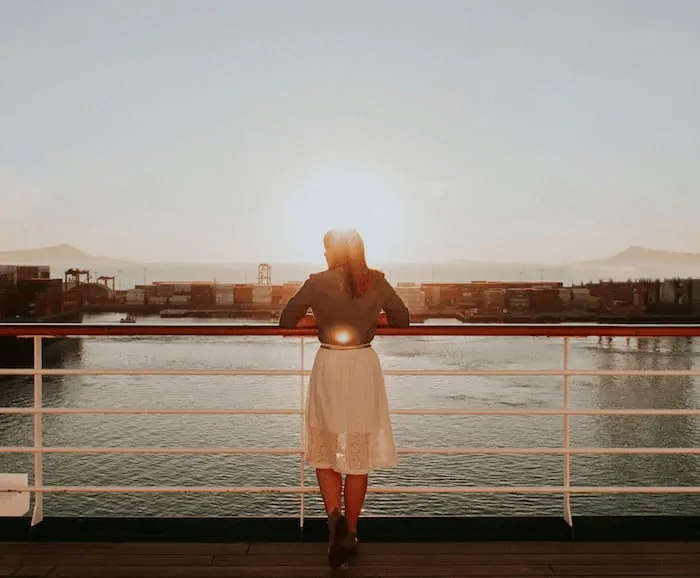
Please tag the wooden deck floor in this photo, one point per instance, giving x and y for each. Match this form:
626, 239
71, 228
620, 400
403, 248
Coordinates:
295, 560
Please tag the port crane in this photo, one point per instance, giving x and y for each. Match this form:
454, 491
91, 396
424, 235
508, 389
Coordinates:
264, 274
106, 279
75, 275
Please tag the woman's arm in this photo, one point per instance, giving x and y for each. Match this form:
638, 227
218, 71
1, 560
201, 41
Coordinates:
397, 314
296, 308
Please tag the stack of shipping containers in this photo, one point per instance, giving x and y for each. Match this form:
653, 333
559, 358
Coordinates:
243, 296
288, 291
136, 296
545, 300
223, 294
181, 295
494, 300
517, 300
432, 294
262, 296
162, 292
8, 284
201, 295
39, 297
412, 295
29, 291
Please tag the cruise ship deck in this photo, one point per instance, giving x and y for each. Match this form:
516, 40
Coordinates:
307, 560
403, 545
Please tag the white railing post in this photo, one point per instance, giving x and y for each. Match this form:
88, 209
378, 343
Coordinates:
302, 433
567, 436
38, 514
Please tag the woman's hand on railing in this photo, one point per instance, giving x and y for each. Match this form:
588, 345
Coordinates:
307, 321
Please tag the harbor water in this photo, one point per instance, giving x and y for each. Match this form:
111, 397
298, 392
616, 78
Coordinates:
411, 431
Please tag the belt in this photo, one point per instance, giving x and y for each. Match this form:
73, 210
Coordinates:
345, 347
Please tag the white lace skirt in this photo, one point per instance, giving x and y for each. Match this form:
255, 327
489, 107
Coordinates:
348, 427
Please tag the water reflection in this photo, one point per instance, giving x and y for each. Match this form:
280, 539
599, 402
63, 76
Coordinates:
644, 392
18, 391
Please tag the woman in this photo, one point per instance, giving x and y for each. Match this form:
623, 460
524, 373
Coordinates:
348, 428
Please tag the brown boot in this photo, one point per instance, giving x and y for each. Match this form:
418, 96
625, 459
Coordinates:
338, 533
351, 545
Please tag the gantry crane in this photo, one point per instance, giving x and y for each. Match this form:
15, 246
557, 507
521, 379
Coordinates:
106, 279
264, 274
75, 276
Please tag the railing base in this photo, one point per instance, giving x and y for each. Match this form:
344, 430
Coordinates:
389, 529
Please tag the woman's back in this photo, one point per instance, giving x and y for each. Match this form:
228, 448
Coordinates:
341, 318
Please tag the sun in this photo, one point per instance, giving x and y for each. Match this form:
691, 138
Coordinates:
350, 200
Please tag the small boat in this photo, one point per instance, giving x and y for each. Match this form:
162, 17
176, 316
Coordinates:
128, 319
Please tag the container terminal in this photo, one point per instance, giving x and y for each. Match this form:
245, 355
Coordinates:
28, 294
642, 300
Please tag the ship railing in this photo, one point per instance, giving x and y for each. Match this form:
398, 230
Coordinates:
565, 333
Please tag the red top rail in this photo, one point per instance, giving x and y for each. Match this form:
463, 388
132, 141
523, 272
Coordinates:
466, 330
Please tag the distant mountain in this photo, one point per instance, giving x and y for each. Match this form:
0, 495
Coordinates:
69, 255
63, 253
643, 256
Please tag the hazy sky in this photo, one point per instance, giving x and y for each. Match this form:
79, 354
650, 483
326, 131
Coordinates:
235, 130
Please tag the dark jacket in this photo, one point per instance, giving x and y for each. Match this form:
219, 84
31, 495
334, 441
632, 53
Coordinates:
337, 312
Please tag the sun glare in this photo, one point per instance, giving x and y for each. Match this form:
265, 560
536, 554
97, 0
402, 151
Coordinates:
348, 200
342, 336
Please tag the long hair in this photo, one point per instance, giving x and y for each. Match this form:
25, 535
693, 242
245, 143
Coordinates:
347, 250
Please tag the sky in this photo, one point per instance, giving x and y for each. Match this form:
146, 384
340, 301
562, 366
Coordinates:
218, 130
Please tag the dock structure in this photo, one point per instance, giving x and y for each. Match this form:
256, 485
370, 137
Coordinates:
221, 313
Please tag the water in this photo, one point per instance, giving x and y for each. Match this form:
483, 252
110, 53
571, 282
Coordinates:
410, 431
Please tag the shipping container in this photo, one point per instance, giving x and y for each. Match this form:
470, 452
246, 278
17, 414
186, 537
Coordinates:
243, 294
412, 296
165, 289
667, 293
518, 299
494, 299
432, 294
8, 274
73, 299
695, 291
27, 272
42, 306
545, 300
224, 299
262, 295
135, 296
33, 285
201, 294
56, 301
